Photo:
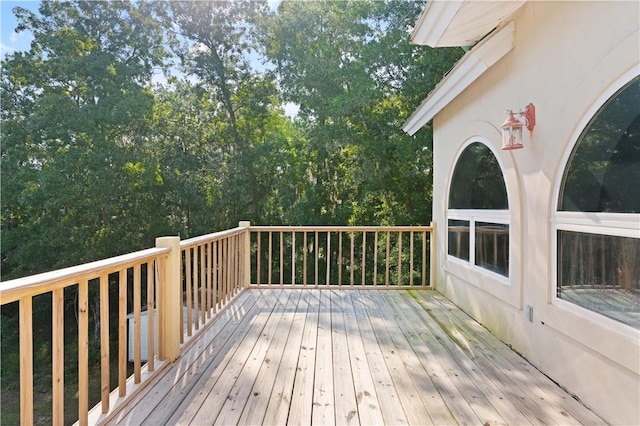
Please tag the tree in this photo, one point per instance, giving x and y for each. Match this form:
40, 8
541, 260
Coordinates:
73, 111
216, 46
356, 78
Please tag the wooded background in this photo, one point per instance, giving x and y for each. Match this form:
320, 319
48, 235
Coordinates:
128, 121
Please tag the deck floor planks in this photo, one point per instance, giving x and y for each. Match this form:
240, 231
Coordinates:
187, 407
323, 386
281, 356
457, 343
564, 408
514, 374
399, 358
263, 388
368, 406
302, 394
474, 379
369, 412
226, 386
445, 403
390, 405
267, 348
187, 371
277, 409
346, 407
458, 392
520, 373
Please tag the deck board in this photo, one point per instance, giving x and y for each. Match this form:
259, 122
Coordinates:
291, 356
454, 394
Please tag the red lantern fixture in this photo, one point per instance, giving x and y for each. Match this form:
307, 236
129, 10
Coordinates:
512, 128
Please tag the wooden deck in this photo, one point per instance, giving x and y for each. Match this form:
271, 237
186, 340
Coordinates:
350, 357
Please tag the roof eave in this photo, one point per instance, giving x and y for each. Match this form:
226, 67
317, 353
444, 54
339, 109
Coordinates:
434, 21
471, 66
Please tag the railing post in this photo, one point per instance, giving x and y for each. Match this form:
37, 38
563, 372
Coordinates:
432, 256
170, 295
246, 253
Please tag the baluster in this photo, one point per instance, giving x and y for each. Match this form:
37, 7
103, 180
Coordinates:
26, 360
340, 258
57, 350
364, 257
151, 324
122, 332
83, 352
375, 258
136, 323
411, 258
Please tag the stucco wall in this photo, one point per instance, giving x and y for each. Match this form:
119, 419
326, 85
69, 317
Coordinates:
569, 57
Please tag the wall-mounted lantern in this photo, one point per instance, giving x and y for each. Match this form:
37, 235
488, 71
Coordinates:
512, 127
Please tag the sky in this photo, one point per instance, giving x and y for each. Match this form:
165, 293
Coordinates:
10, 41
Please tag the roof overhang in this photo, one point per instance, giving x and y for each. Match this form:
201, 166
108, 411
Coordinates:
472, 65
448, 23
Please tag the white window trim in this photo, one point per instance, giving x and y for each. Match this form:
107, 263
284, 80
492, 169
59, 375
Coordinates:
614, 224
501, 217
601, 320
479, 215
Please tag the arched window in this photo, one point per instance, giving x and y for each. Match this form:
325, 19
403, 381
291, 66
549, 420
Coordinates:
478, 219
598, 217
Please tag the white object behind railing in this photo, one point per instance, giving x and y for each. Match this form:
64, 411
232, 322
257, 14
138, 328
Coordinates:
127, 269
209, 267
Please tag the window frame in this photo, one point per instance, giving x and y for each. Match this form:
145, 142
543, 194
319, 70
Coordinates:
599, 223
501, 217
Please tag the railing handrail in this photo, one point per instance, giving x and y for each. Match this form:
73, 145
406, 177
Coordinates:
311, 256
34, 285
191, 242
334, 228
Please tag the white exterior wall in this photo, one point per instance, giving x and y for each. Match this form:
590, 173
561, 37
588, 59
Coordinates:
569, 57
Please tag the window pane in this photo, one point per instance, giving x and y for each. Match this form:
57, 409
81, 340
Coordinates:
492, 247
459, 238
604, 169
601, 273
477, 181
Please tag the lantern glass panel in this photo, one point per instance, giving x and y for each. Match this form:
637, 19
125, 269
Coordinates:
512, 136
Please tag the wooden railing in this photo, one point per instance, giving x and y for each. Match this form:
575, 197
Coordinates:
178, 287
371, 256
204, 273
144, 270
213, 271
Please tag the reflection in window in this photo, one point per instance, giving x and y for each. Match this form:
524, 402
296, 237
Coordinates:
459, 238
477, 181
492, 247
604, 169
601, 273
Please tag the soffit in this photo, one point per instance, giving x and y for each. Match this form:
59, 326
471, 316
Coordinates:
462, 22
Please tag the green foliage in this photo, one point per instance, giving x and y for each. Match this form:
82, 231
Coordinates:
75, 110
348, 66
127, 120
98, 160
